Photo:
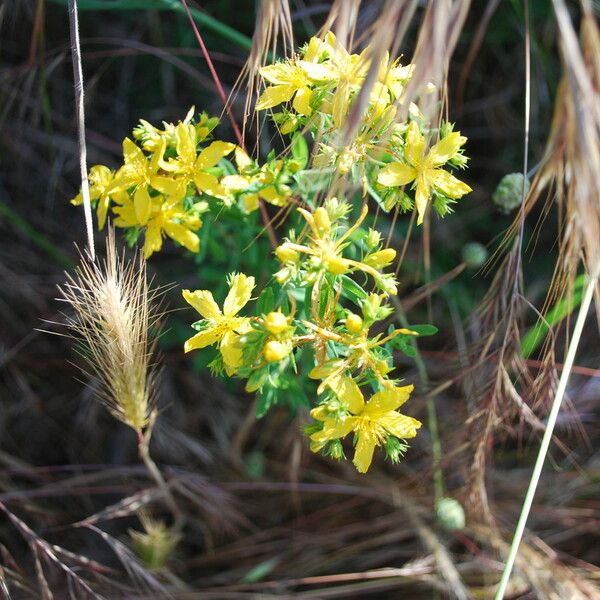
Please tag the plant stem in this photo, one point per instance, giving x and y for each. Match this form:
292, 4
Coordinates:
154, 471
541, 457
432, 420
80, 113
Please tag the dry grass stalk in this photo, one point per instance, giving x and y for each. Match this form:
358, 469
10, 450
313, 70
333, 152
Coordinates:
114, 312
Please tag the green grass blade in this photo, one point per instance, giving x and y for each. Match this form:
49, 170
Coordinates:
38, 238
560, 311
200, 17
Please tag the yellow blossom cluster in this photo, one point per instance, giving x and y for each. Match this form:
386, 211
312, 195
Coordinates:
169, 177
323, 82
303, 320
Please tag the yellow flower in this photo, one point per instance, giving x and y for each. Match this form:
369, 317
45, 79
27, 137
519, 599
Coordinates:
372, 421
424, 169
276, 322
140, 172
349, 70
165, 216
223, 327
191, 167
100, 180
275, 351
354, 324
291, 79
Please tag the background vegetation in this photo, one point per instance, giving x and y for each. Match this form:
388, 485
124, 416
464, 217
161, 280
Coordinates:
268, 518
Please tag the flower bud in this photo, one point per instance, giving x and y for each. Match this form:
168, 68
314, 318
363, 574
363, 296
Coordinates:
380, 259
276, 322
282, 276
335, 264
373, 238
322, 220
354, 323
450, 514
474, 254
509, 193
275, 351
286, 254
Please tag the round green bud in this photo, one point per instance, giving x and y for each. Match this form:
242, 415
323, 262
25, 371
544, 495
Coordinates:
474, 254
450, 514
509, 193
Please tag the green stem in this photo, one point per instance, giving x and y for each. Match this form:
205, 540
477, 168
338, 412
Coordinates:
432, 420
154, 471
541, 457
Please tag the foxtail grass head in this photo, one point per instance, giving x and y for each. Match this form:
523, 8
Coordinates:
114, 313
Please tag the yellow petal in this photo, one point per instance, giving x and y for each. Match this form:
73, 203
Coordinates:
396, 174
209, 184
231, 352
301, 102
446, 148
388, 399
142, 204
363, 454
239, 294
235, 183
334, 429
175, 188
448, 184
275, 95
152, 238
100, 176
348, 392
242, 160
324, 370
202, 339
132, 155
421, 199
400, 425
272, 196
279, 73
182, 235
102, 210
250, 202
212, 154
185, 143
204, 303
415, 145
316, 71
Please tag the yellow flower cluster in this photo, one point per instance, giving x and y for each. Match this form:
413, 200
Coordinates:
322, 82
169, 176
305, 321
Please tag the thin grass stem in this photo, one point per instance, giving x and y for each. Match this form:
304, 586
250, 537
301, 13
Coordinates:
80, 111
541, 457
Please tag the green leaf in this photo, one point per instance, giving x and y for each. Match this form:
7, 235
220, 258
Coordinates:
562, 309
266, 301
424, 329
300, 149
264, 402
351, 289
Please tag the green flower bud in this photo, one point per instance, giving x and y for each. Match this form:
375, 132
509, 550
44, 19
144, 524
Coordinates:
509, 193
474, 254
450, 514
335, 450
395, 449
